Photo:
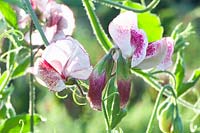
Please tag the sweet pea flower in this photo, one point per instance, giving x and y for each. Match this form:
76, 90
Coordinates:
62, 59
60, 22
133, 43
126, 35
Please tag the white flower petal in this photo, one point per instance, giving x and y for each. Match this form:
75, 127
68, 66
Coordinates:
58, 53
78, 66
120, 31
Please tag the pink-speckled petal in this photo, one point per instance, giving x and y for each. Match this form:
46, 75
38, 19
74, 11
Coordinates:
119, 30
78, 66
139, 44
156, 52
48, 76
167, 61
58, 53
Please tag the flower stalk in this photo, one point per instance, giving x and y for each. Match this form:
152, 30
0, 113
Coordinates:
31, 86
35, 21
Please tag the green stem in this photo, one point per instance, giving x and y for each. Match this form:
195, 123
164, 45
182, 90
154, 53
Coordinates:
149, 7
157, 86
169, 73
150, 125
31, 87
143, 2
101, 36
35, 21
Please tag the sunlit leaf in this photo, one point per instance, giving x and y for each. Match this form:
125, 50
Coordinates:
8, 13
191, 82
18, 3
20, 70
14, 124
179, 72
149, 22
4, 79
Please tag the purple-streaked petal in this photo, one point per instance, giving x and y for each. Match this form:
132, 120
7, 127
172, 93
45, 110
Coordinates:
139, 44
120, 31
124, 87
156, 52
167, 61
96, 84
48, 76
78, 66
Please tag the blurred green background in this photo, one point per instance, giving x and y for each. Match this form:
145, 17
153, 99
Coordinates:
63, 116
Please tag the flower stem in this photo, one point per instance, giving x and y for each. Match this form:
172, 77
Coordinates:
35, 21
31, 87
149, 7
150, 124
101, 36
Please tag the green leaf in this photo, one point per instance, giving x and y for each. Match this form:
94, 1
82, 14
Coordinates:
8, 13
4, 79
179, 72
6, 92
3, 112
19, 123
15, 2
149, 22
191, 82
20, 70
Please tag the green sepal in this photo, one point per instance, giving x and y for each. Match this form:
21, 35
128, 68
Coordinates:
105, 65
178, 125
123, 67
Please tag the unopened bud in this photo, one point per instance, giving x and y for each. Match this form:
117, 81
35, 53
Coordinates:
98, 79
123, 80
166, 118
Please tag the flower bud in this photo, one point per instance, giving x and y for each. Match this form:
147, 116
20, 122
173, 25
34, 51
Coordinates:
166, 118
162, 106
97, 81
177, 125
123, 80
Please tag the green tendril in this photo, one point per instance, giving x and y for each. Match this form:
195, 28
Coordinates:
169, 73
110, 3
22, 127
61, 97
8, 34
74, 96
